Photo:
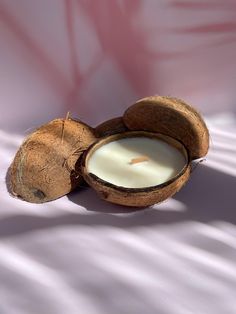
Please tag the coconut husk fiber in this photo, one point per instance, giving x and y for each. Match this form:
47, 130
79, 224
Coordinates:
44, 166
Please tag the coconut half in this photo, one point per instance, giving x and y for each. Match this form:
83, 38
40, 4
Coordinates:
44, 167
135, 197
172, 117
111, 126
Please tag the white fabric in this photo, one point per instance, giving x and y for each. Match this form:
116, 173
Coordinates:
94, 58
79, 254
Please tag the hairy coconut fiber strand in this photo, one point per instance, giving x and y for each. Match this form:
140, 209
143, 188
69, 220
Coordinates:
44, 166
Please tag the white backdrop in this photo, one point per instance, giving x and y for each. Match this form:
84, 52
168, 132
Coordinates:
94, 58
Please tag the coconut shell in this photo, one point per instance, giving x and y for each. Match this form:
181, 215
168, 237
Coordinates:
109, 127
44, 166
134, 197
172, 117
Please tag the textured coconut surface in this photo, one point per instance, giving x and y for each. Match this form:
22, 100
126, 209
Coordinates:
44, 167
172, 117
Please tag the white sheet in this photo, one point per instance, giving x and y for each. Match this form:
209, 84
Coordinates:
94, 58
81, 255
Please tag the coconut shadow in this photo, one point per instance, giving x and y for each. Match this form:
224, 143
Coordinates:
209, 195
8, 181
203, 196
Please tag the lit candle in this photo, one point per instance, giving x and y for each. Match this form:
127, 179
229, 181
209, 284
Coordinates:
136, 161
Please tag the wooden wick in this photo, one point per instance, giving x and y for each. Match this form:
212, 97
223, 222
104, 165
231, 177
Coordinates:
138, 160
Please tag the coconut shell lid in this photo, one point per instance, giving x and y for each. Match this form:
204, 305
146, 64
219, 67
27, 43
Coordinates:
173, 117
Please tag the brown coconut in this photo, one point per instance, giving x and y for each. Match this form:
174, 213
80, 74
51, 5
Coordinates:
44, 166
135, 197
172, 117
109, 127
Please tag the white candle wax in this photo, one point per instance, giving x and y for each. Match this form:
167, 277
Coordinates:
136, 162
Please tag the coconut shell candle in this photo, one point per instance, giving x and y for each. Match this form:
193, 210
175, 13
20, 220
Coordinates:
153, 162
136, 168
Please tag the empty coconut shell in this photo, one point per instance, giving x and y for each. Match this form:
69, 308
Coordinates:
109, 127
44, 166
172, 117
